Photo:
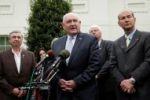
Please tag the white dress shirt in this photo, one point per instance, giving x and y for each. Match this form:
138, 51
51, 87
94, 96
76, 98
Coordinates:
17, 58
129, 37
69, 45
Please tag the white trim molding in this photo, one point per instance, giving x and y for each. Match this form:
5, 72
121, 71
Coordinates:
140, 6
80, 6
6, 8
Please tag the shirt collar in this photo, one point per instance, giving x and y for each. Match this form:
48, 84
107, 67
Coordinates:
15, 52
74, 37
99, 42
130, 36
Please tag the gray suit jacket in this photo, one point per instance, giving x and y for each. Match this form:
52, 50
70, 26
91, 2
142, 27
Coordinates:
133, 61
9, 76
83, 65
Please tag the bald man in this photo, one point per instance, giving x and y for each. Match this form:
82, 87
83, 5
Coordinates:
131, 60
104, 77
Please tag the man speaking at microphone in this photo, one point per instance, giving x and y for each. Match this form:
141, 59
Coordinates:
75, 80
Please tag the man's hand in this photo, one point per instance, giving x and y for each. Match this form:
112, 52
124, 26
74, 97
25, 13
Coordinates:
15, 91
18, 92
62, 84
71, 84
127, 86
67, 86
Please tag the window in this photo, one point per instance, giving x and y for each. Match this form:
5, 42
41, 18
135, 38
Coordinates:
137, 5
4, 44
6, 8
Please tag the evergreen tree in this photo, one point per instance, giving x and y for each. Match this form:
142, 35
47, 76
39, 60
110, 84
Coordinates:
45, 22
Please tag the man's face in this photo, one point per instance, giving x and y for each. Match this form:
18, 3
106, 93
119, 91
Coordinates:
126, 20
15, 39
96, 32
72, 24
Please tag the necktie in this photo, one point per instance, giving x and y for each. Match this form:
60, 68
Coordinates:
128, 41
69, 47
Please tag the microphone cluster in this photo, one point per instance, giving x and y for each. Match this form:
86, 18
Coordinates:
44, 74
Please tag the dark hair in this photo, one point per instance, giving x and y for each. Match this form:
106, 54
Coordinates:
15, 31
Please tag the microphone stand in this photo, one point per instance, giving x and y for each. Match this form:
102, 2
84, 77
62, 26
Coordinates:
29, 90
43, 82
52, 73
30, 87
42, 74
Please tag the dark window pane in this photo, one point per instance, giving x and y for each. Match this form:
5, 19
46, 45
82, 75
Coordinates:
2, 40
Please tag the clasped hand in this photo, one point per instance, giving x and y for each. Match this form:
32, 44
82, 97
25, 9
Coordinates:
18, 92
127, 86
67, 85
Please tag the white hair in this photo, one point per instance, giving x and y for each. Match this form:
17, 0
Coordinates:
95, 26
70, 13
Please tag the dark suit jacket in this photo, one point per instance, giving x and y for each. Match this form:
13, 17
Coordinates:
133, 61
9, 76
105, 51
105, 79
83, 65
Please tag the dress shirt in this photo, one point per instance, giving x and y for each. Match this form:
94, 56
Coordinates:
69, 45
17, 58
129, 37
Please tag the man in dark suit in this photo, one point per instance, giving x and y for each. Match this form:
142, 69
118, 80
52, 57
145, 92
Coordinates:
104, 78
131, 60
76, 79
16, 66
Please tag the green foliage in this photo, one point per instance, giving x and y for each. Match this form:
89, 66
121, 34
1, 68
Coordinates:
45, 22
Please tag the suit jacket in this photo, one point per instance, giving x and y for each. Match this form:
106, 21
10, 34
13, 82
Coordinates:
82, 67
9, 76
133, 61
104, 77
105, 51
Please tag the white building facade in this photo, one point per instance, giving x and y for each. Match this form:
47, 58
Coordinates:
14, 16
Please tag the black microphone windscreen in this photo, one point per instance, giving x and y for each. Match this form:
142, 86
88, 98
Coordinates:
64, 54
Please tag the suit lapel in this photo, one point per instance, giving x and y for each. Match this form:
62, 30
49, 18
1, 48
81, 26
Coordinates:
134, 40
22, 61
63, 43
12, 61
76, 47
122, 43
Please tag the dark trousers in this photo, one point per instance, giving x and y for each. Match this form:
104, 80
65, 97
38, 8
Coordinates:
106, 88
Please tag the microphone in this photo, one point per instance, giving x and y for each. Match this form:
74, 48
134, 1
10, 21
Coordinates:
35, 85
64, 54
44, 62
53, 69
50, 55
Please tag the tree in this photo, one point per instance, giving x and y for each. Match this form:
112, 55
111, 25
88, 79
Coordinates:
45, 22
